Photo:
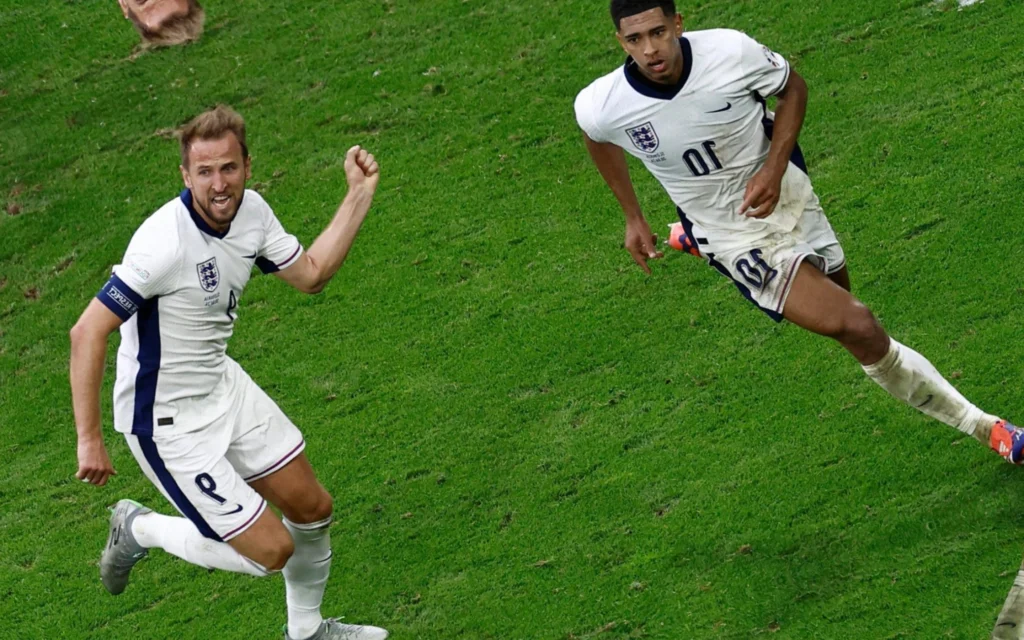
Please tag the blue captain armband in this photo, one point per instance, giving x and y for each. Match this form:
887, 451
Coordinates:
120, 298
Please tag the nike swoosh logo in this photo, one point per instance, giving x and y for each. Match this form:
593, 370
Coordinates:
1007, 624
231, 513
252, 256
926, 401
728, 105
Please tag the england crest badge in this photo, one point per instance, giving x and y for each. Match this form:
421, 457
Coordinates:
644, 137
209, 275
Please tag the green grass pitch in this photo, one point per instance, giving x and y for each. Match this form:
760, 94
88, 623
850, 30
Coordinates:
526, 438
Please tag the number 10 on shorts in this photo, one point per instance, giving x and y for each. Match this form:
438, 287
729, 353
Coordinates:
756, 271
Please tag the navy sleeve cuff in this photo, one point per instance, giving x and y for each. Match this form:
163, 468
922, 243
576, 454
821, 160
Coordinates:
120, 298
266, 266
269, 266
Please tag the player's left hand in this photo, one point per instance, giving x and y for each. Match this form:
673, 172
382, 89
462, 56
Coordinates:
94, 464
361, 169
641, 243
762, 194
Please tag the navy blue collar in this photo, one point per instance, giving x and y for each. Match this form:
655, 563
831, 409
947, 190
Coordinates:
651, 89
186, 199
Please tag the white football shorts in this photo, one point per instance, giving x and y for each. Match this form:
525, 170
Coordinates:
763, 269
218, 445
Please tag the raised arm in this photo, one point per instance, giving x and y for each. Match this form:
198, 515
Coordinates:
315, 268
789, 119
88, 353
611, 162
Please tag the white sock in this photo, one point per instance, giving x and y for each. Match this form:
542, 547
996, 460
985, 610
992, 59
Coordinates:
909, 377
305, 576
1012, 615
179, 537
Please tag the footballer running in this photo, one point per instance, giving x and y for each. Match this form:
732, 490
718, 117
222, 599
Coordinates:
216, 446
692, 109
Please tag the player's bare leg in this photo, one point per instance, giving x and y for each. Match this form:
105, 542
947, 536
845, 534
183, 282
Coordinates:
295, 490
266, 542
307, 509
841, 278
1010, 623
822, 306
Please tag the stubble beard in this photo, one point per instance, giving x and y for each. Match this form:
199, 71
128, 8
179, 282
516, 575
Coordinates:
217, 219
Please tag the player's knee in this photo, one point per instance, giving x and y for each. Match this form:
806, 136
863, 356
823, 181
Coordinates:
860, 325
278, 553
317, 507
325, 507
320, 509
274, 553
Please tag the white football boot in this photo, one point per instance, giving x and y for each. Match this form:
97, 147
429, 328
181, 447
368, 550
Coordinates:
122, 550
331, 629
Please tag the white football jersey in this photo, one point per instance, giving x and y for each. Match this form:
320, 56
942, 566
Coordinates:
178, 289
705, 137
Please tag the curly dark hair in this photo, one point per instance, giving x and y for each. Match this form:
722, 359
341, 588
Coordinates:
624, 8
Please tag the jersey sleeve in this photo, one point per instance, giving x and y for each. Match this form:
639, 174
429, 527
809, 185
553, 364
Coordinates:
586, 115
280, 249
764, 71
148, 270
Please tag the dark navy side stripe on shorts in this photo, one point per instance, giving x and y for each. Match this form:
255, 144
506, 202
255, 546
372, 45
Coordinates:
688, 227
187, 509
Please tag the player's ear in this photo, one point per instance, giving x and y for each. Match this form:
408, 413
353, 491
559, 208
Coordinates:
185, 177
622, 42
248, 167
678, 20
124, 7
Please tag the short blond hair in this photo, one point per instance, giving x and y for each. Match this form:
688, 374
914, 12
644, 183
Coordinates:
175, 30
212, 124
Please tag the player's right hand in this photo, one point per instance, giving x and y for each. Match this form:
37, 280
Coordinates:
94, 464
361, 169
641, 243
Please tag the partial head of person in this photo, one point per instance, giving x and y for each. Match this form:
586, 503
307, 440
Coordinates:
164, 23
215, 164
649, 31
